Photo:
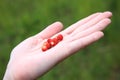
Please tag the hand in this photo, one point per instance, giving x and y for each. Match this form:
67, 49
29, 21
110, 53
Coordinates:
28, 61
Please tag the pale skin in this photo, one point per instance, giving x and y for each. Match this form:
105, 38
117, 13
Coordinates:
29, 62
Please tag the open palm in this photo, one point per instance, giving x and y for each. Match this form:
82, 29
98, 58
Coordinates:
28, 61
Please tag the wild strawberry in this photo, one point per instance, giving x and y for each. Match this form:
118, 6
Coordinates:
46, 46
60, 37
49, 40
52, 43
55, 40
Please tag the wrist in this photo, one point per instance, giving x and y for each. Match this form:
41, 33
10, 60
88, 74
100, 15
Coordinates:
8, 75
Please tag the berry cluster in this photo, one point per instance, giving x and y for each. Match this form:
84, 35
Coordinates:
52, 42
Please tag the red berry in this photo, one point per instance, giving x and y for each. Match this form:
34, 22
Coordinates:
49, 40
52, 43
60, 37
55, 40
44, 48
47, 45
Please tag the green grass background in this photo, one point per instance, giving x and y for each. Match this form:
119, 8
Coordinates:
20, 19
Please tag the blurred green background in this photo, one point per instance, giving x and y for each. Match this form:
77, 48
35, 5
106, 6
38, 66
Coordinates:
20, 19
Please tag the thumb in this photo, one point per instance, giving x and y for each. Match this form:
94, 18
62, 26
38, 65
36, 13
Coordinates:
50, 30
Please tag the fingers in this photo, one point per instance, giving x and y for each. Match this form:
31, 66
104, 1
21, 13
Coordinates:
92, 22
50, 30
97, 27
79, 23
85, 41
